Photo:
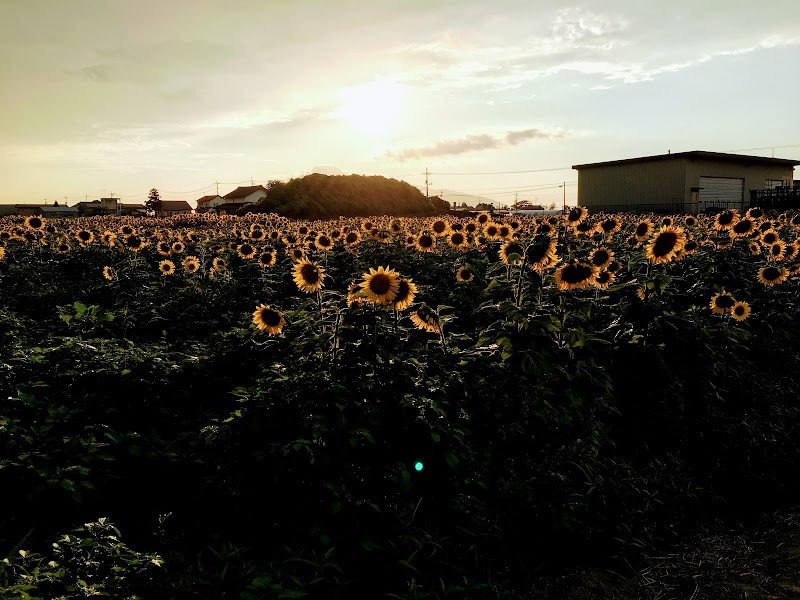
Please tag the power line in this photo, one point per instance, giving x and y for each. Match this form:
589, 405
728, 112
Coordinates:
506, 172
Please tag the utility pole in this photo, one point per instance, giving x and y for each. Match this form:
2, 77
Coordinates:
565, 197
516, 200
252, 183
217, 182
426, 182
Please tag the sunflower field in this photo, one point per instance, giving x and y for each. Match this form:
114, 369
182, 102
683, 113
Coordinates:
257, 408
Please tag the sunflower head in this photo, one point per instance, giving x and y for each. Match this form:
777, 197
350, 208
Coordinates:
268, 319
666, 244
308, 276
381, 285
740, 311
191, 264
600, 257
576, 215
722, 302
575, 275
34, 222
426, 320
464, 275
770, 276
512, 253
108, 273
406, 291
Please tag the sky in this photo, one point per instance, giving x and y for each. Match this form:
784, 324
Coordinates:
493, 98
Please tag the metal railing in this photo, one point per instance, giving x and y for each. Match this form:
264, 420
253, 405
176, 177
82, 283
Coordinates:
777, 198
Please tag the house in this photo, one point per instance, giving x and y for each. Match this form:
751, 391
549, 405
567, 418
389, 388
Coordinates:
206, 203
169, 208
246, 195
28, 210
688, 182
104, 206
58, 211
132, 210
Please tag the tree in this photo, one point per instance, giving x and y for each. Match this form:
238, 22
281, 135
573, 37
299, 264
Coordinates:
485, 206
153, 204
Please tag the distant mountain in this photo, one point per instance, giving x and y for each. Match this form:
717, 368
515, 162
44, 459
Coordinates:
459, 197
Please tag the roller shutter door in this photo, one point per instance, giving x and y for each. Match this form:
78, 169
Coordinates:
721, 192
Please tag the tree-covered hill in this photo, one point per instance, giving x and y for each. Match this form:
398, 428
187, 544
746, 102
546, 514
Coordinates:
318, 196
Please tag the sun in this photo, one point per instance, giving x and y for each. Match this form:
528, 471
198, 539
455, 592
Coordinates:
373, 108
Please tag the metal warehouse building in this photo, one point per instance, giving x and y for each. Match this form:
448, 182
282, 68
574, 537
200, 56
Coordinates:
688, 182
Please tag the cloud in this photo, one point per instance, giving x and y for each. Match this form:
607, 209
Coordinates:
475, 143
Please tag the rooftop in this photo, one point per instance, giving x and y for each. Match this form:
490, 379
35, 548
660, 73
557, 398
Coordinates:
696, 154
242, 192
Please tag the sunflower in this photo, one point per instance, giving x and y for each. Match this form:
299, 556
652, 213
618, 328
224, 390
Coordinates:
108, 273
483, 218
508, 250
457, 239
722, 302
603, 280
754, 248
600, 257
355, 295
85, 236
405, 294
769, 237
134, 243
576, 215
743, 227
614, 267
690, 221
464, 275
584, 228
790, 251
35, 223
754, 213
772, 275
63, 248
425, 243
191, 264
644, 229
740, 311
471, 227
296, 254
666, 221
426, 319
352, 238
491, 231
504, 232
666, 244
575, 275
545, 228
163, 248
323, 243
609, 226
268, 319
690, 247
381, 285
541, 253
266, 258
775, 251
219, 264
167, 267
726, 219
308, 276
440, 227
247, 251
367, 225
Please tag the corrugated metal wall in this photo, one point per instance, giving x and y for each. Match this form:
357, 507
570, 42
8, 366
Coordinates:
656, 183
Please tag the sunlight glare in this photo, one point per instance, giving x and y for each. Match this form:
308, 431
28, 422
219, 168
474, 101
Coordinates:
373, 108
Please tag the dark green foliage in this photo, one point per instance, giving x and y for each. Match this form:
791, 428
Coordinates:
554, 427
